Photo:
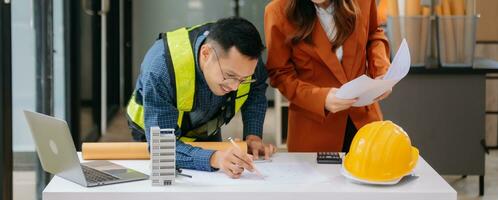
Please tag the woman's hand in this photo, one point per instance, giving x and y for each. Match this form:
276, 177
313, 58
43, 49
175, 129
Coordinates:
334, 104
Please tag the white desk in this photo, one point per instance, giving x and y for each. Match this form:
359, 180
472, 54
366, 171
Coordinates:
428, 185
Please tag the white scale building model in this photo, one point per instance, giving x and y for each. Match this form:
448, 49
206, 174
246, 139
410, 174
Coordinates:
162, 156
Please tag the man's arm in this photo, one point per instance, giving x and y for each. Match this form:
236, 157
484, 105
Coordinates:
160, 110
253, 115
254, 109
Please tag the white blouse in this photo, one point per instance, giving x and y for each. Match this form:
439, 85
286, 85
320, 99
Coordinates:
327, 22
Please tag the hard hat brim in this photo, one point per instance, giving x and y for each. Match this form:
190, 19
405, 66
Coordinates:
349, 176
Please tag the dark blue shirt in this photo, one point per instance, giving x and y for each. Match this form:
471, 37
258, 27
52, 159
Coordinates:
158, 98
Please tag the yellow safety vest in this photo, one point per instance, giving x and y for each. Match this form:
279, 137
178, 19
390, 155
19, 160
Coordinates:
182, 57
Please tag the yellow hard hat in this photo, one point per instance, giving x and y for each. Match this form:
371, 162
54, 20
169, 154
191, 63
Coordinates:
380, 152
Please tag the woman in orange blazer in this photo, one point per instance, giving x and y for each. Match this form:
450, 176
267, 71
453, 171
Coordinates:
314, 47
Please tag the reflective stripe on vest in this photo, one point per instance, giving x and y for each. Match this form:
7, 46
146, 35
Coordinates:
242, 94
135, 112
184, 67
183, 61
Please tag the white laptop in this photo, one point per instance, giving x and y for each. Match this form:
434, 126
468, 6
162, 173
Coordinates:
58, 155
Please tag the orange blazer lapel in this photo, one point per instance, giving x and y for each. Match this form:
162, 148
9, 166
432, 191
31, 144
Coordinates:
351, 51
323, 48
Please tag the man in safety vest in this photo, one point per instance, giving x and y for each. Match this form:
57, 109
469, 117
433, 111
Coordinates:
194, 80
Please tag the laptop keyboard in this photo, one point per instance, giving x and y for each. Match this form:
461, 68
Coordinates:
96, 176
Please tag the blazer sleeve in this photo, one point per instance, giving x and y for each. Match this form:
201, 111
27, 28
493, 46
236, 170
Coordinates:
281, 69
377, 46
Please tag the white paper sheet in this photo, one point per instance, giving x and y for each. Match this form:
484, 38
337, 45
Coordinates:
274, 173
367, 89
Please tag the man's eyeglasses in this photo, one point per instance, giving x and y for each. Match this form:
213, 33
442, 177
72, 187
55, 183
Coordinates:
247, 80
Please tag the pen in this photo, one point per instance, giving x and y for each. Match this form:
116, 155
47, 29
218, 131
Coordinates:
179, 173
254, 167
262, 161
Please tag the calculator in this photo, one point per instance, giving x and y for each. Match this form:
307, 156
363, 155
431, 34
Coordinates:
328, 158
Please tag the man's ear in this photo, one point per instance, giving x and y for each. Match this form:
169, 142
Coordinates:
205, 51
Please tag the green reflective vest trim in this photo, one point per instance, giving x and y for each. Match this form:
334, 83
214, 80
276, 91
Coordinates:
242, 94
184, 67
182, 57
135, 112
186, 139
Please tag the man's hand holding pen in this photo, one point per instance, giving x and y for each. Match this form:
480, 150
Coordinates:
232, 161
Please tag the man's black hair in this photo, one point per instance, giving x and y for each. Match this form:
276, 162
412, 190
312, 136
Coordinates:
238, 32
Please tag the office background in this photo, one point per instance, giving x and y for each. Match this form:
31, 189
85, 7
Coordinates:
78, 60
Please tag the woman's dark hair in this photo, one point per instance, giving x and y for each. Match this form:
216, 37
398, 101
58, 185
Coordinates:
238, 32
302, 13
